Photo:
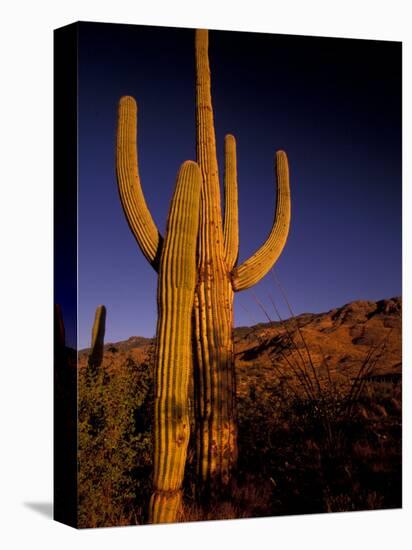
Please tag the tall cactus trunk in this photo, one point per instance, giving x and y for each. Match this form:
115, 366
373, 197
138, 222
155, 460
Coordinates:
215, 393
173, 366
213, 313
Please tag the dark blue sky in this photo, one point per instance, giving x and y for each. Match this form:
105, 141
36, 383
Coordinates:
334, 105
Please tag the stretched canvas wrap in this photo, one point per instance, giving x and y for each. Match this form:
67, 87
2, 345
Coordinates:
227, 275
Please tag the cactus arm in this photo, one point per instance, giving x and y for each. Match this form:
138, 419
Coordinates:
131, 195
176, 289
99, 327
256, 267
231, 223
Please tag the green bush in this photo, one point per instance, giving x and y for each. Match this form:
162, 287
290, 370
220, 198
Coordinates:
114, 442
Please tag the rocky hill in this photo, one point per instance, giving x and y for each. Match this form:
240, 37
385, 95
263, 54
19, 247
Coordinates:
336, 343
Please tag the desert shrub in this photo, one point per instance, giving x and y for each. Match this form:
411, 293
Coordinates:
325, 446
114, 442
351, 462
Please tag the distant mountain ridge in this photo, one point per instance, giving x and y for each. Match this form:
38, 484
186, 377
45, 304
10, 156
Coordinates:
124, 345
341, 337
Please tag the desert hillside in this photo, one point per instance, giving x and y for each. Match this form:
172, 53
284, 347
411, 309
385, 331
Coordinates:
337, 341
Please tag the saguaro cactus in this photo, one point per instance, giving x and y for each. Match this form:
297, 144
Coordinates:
59, 331
99, 327
218, 275
219, 278
176, 287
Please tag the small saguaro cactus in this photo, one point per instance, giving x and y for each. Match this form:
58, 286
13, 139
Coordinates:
173, 363
218, 275
99, 327
59, 331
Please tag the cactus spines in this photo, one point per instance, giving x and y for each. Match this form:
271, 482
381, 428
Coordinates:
176, 286
99, 326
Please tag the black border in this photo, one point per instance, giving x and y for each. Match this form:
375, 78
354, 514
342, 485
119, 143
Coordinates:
65, 273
